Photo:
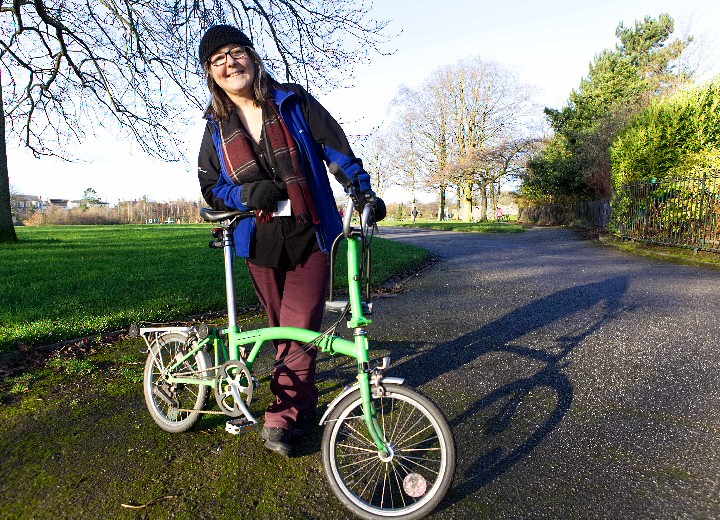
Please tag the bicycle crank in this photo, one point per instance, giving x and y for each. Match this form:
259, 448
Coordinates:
234, 380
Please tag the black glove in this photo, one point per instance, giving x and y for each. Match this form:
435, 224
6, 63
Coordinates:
378, 206
380, 209
263, 194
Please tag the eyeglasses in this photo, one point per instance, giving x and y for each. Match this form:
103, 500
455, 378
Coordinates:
237, 53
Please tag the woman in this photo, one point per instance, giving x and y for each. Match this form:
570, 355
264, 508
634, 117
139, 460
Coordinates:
265, 149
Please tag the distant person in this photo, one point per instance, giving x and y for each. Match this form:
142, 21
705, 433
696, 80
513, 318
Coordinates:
265, 148
499, 214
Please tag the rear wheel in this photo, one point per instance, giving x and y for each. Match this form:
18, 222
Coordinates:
174, 407
412, 479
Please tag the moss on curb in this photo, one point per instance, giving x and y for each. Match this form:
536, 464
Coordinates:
676, 255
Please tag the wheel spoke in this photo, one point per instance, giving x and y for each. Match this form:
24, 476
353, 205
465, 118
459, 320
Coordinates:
420, 432
358, 448
399, 485
427, 440
355, 433
376, 469
419, 468
407, 428
360, 461
382, 495
159, 358
398, 417
414, 460
186, 397
412, 450
382, 421
362, 477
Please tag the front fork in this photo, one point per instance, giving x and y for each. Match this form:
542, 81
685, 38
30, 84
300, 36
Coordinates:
364, 378
358, 322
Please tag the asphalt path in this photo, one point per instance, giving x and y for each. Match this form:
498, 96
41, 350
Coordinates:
580, 381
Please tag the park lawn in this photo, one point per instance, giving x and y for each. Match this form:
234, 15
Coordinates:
78, 442
489, 226
63, 282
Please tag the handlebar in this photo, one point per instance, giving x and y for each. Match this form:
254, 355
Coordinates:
356, 198
340, 175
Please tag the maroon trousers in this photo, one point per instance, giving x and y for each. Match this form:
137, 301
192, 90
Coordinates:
293, 297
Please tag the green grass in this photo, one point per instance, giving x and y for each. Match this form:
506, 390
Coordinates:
62, 282
79, 446
453, 225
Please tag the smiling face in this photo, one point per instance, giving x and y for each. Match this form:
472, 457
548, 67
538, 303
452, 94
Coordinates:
236, 76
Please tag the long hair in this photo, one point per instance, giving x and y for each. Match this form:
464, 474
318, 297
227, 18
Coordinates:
221, 107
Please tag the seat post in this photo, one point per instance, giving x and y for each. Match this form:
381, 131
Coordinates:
229, 277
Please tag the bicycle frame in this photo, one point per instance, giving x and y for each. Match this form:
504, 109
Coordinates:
245, 346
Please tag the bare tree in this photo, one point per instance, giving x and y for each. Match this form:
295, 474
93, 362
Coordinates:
375, 148
421, 134
7, 228
493, 165
436, 134
131, 64
489, 107
406, 153
456, 123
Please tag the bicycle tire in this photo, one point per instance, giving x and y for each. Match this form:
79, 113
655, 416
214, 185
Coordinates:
423, 459
186, 396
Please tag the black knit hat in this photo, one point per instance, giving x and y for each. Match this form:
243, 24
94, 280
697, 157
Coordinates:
219, 35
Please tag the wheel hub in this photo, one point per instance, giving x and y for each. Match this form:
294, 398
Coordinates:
389, 455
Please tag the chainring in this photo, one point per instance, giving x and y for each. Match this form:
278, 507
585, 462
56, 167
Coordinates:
233, 375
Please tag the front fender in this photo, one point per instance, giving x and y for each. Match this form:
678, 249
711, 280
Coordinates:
355, 386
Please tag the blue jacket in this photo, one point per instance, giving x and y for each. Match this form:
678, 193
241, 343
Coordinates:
320, 140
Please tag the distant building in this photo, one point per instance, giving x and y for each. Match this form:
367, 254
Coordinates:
58, 203
22, 206
78, 203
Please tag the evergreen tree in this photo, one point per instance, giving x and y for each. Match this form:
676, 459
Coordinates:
576, 161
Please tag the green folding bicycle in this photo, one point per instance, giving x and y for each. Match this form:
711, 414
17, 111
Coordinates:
387, 451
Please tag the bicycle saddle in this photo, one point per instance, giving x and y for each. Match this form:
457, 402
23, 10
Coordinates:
215, 215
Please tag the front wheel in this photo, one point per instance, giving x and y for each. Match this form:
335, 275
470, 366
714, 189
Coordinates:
412, 479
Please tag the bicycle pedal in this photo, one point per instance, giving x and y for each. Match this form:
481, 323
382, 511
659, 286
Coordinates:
238, 426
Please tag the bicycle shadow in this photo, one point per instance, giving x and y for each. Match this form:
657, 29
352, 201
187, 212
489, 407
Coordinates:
528, 397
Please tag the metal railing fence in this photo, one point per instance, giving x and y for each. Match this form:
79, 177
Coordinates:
675, 212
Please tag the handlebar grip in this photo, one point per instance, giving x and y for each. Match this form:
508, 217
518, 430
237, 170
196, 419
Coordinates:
340, 175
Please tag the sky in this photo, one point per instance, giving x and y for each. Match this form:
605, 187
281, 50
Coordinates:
549, 44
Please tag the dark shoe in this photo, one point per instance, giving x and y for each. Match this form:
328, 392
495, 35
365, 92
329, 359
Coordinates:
304, 422
277, 440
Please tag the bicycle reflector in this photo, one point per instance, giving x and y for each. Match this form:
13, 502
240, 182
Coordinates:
217, 234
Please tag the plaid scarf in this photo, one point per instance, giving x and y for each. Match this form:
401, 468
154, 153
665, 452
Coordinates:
242, 165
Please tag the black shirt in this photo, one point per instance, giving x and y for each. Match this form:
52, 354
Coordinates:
282, 242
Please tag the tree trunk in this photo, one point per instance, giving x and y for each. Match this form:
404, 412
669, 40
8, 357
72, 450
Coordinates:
483, 200
441, 212
494, 196
413, 210
466, 198
458, 203
7, 229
